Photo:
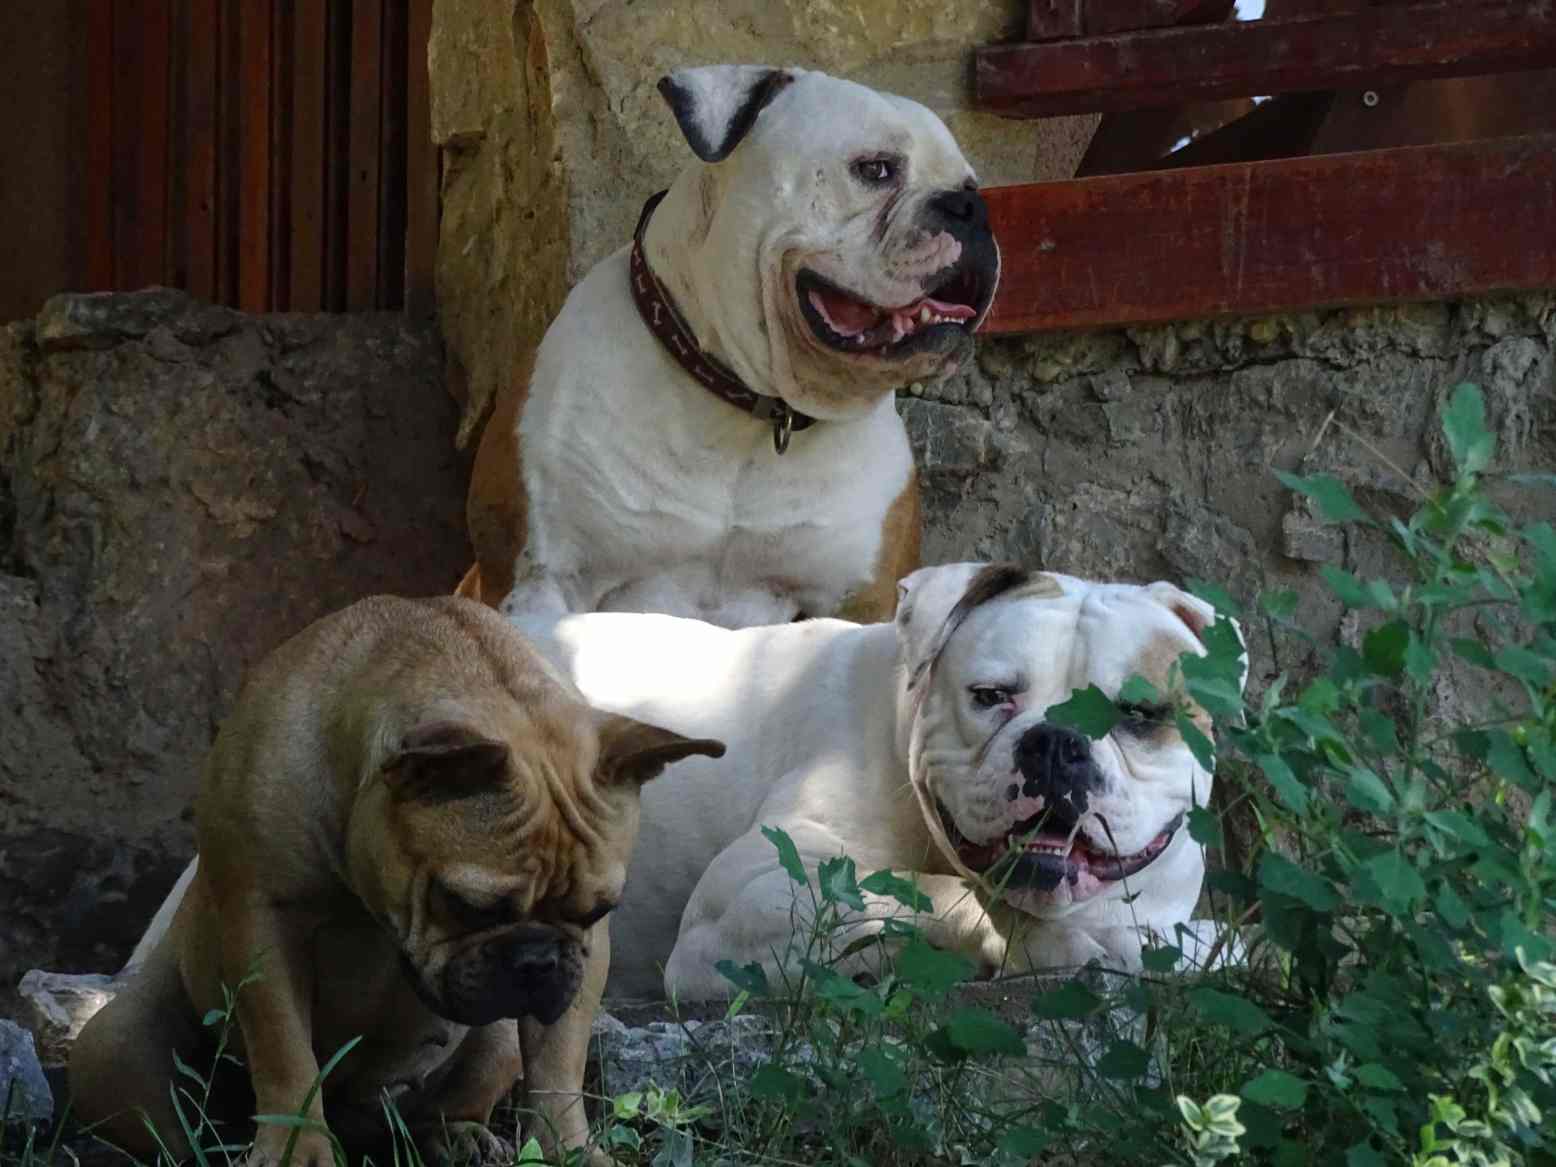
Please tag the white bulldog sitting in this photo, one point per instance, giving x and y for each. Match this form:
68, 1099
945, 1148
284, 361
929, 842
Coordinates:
921, 746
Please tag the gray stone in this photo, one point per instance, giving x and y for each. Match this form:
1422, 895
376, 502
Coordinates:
1307, 539
56, 1005
25, 1096
947, 439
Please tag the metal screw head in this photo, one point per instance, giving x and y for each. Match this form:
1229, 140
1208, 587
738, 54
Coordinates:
1370, 98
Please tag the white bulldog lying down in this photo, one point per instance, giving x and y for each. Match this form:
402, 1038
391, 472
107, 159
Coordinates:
920, 746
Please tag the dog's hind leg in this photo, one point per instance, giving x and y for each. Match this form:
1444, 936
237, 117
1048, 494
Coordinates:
122, 1073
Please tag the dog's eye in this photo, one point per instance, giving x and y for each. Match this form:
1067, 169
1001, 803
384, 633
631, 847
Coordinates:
990, 696
876, 171
1142, 717
472, 915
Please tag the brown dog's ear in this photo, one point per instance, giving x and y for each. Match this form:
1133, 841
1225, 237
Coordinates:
716, 105
634, 751
443, 760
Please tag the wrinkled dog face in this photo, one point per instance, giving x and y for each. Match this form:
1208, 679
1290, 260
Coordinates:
858, 216
1020, 802
494, 865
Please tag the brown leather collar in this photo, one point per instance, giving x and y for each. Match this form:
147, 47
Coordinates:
659, 313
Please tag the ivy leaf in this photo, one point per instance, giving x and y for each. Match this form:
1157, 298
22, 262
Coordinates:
1138, 691
1216, 596
1396, 879
1384, 647
748, 978
931, 970
904, 891
1333, 497
1069, 1002
1235, 1013
1281, 875
882, 1071
1353, 593
1088, 710
1464, 425
788, 854
1288, 787
1200, 746
977, 1031
1124, 1059
838, 883
1276, 1088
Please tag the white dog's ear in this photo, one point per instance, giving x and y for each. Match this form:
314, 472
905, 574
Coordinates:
716, 105
1196, 614
932, 602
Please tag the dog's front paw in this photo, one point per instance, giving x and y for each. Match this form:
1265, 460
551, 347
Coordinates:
467, 1144
312, 1149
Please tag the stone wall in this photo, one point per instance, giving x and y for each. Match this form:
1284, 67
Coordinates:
553, 133
181, 488
1148, 453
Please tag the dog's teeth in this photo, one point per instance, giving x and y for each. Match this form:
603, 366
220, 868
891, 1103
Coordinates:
924, 314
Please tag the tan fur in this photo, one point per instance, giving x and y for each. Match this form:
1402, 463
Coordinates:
386, 754
901, 543
496, 508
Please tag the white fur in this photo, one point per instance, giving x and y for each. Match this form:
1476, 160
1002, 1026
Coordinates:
826, 741
646, 492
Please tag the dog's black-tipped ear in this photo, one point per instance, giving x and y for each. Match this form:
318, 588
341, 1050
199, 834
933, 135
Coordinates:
634, 751
442, 760
716, 105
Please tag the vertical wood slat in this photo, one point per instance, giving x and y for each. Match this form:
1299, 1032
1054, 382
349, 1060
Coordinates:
253, 125
199, 97
337, 149
307, 158
421, 167
391, 156
279, 189
141, 42
362, 211
228, 150
98, 207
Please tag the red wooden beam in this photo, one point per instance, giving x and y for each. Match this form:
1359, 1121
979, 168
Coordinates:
1418, 223
305, 268
1371, 47
254, 156
1054, 19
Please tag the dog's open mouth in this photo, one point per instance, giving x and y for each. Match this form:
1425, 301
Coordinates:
1048, 850
848, 323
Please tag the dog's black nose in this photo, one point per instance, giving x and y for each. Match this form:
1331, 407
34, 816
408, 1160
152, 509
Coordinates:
1057, 765
962, 206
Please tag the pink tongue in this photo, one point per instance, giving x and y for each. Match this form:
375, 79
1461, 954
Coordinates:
846, 315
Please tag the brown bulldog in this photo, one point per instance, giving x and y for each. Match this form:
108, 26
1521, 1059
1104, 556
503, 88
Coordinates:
410, 831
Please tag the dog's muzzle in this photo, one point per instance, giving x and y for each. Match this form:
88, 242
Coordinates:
529, 970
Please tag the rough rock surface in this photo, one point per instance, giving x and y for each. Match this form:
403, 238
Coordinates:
24, 1091
181, 488
553, 132
56, 1006
1148, 453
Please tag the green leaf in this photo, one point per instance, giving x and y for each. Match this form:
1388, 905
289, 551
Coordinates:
1160, 959
1364, 1155
844, 992
213, 1017
1454, 911
1366, 791
980, 1032
1383, 648
1281, 875
1396, 878
626, 1106
1461, 826
1138, 691
1332, 497
1464, 425
1280, 604
1203, 749
1088, 710
531, 1152
904, 891
1376, 1077
1505, 759
1353, 593
1236, 1013
748, 978
777, 1084
1024, 1142
1527, 666
1124, 1059
931, 970
1276, 1088
1216, 596
1070, 1001
838, 883
1287, 786
882, 1071
788, 854
1205, 828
